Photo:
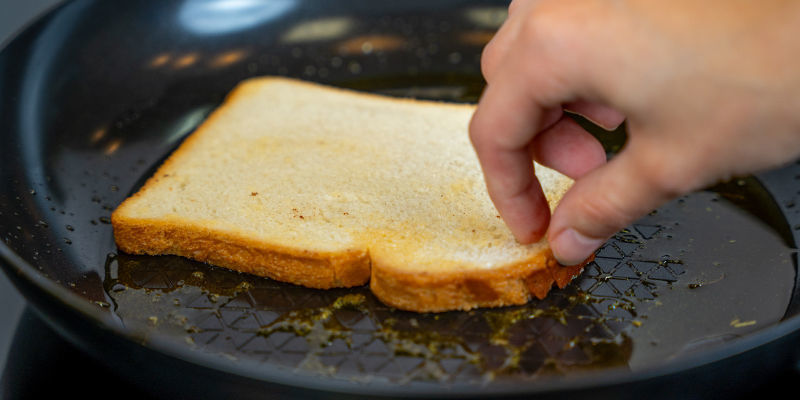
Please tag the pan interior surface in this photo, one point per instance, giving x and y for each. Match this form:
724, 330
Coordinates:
90, 123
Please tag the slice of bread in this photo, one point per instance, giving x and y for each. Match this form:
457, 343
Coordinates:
325, 187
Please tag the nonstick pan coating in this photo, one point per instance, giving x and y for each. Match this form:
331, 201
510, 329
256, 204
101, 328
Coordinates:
691, 299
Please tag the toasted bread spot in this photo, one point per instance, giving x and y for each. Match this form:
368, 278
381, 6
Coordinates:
480, 290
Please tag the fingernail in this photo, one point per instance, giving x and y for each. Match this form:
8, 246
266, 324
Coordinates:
571, 247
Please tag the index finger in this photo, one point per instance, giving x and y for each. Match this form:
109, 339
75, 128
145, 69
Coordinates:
509, 115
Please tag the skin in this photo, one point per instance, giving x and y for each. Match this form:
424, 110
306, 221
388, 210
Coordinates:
709, 89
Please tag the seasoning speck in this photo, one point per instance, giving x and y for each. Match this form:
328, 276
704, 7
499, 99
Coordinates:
736, 323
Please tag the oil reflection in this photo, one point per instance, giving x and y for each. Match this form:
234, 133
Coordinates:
228, 58
178, 61
475, 38
347, 332
318, 29
487, 17
215, 17
185, 60
366, 44
159, 60
98, 135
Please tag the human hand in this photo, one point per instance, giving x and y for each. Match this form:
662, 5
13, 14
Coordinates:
710, 90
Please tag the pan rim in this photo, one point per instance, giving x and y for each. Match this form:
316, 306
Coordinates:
38, 17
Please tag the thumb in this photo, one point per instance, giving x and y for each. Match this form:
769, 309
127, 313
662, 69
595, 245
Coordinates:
610, 198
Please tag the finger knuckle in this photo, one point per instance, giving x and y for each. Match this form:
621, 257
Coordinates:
546, 21
560, 28
487, 59
671, 176
604, 213
477, 134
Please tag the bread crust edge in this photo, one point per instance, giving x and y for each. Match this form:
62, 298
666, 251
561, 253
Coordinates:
314, 269
417, 291
472, 288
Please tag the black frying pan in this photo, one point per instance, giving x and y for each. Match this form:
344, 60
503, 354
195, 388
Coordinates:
697, 298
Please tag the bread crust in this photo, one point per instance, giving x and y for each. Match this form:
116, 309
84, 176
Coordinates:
412, 291
464, 290
184, 238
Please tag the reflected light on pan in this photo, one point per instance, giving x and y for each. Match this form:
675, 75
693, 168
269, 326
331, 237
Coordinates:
159, 60
214, 17
371, 43
487, 17
476, 38
185, 60
98, 134
112, 147
227, 58
318, 29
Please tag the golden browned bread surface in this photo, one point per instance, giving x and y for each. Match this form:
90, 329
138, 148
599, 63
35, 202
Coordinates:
324, 187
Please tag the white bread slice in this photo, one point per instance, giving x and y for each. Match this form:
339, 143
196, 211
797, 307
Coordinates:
325, 187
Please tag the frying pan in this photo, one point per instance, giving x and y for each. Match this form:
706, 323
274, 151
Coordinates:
698, 298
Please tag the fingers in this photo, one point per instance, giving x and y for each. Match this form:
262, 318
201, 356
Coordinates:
568, 148
507, 119
606, 200
510, 179
519, 118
